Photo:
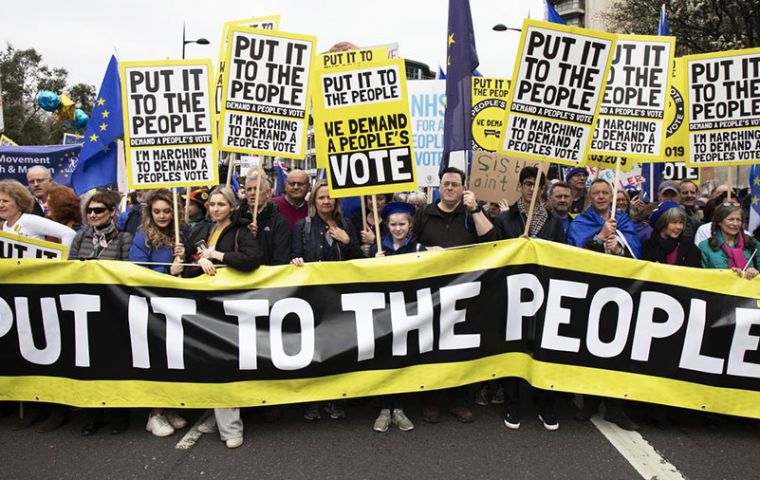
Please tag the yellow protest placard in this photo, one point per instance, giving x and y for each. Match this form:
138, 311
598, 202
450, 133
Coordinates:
265, 92
17, 246
632, 115
723, 114
362, 125
169, 132
489, 102
556, 91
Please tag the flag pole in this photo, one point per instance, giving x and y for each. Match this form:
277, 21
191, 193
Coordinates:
176, 215
615, 185
377, 224
259, 173
364, 212
533, 198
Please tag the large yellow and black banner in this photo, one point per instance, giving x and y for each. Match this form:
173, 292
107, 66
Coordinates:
565, 319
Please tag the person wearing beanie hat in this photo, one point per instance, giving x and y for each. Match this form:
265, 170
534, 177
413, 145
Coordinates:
577, 177
399, 218
197, 206
667, 244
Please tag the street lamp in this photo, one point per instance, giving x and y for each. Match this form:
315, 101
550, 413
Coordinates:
200, 41
500, 27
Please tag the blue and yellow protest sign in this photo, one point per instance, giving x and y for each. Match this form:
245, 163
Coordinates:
557, 88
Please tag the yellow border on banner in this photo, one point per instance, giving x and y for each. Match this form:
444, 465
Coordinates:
687, 120
345, 112
415, 378
527, 23
58, 247
123, 66
245, 22
397, 268
231, 30
660, 155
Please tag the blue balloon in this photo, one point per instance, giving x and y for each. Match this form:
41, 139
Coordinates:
48, 101
80, 119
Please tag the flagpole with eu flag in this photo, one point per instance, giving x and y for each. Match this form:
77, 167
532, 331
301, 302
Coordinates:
97, 165
462, 59
653, 171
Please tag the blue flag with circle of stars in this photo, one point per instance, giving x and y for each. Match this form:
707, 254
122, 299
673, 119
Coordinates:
462, 59
97, 160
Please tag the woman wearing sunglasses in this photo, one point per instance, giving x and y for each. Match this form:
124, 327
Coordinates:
101, 240
729, 247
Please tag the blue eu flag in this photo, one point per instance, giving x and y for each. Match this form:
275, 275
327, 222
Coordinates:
462, 59
97, 160
662, 28
552, 15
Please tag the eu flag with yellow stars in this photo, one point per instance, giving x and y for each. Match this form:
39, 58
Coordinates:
462, 59
97, 160
754, 191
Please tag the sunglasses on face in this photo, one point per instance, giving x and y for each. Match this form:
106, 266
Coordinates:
96, 210
730, 204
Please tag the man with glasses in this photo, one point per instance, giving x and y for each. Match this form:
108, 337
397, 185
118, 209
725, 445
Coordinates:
546, 226
40, 182
293, 205
455, 220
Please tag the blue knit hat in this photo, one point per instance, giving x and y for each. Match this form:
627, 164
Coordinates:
660, 210
397, 207
575, 171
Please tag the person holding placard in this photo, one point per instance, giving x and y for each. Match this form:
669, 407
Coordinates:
546, 226
222, 241
455, 220
368, 234
398, 217
271, 229
196, 206
16, 204
599, 230
101, 240
596, 228
324, 236
154, 243
729, 246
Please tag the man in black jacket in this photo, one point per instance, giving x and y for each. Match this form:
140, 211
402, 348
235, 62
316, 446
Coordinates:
271, 230
546, 226
454, 221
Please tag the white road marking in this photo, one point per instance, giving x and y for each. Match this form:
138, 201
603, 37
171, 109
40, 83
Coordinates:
639, 453
192, 436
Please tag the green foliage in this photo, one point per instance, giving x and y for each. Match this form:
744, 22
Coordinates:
699, 25
22, 76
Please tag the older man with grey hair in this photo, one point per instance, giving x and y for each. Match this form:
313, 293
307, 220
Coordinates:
40, 182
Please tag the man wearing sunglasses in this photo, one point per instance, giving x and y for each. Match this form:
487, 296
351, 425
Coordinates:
293, 205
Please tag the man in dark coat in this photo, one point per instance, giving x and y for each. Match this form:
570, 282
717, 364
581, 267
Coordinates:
546, 226
455, 220
271, 230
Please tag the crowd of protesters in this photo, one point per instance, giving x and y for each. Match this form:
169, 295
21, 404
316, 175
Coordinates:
244, 230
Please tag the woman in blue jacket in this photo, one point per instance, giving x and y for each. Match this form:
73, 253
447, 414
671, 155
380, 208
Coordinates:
154, 243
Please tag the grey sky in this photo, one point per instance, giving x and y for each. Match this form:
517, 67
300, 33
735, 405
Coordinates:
80, 35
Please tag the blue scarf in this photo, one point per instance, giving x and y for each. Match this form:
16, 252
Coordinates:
589, 223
